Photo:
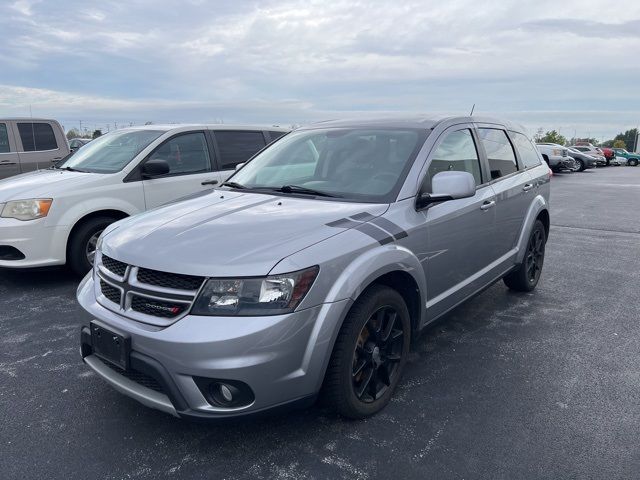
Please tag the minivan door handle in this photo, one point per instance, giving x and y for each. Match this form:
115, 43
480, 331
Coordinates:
210, 182
488, 204
527, 187
7, 163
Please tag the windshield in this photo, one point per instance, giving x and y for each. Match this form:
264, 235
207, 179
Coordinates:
361, 164
110, 153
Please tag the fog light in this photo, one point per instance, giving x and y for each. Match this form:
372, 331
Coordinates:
224, 394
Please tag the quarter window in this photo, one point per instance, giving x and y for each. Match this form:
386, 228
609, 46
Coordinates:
4, 138
502, 159
237, 147
37, 137
528, 153
185, 154
275, 135
458, 153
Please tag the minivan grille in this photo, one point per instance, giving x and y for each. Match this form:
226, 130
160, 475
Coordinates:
169, 280
136, 376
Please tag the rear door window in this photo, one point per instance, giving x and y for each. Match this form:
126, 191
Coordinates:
500, 154
37, 137
236, 147
528, 153
4, 139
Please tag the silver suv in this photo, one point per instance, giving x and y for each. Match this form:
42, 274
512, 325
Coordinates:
312, 268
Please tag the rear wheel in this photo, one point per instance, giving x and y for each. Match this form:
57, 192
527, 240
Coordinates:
81, 249
526, 276
369, 355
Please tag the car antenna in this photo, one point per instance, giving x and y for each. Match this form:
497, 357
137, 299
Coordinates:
472, 109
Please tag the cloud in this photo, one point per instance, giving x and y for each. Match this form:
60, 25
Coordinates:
298, 59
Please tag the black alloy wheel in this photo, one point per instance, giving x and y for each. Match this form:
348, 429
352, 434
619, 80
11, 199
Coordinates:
377, 355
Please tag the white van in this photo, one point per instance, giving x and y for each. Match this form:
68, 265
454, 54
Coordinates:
55, 216
28, 144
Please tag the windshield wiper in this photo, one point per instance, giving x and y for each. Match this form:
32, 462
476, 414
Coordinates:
70, 169
235, 185
303, 191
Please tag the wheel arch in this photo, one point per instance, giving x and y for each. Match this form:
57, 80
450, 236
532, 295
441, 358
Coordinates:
538, 210
113, 213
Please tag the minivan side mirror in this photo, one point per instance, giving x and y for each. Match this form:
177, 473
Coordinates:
446, 186
240, 165
155, 168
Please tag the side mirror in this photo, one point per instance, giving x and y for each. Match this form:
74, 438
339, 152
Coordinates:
155, 168
446, 186
240, 165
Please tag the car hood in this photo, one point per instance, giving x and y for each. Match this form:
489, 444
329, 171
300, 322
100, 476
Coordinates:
42, 184
227, 233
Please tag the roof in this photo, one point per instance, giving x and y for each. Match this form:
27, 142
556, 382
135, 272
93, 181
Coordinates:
214, 126
418, 121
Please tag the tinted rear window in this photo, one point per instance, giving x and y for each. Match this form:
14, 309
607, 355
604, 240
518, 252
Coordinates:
37, 137
528, 153
502, 159
237, 147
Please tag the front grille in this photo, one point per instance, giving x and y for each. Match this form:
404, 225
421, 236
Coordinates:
114, 266
136, 376
157, 308
112, 293
169, 280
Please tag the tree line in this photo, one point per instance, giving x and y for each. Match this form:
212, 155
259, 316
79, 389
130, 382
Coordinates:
626, 140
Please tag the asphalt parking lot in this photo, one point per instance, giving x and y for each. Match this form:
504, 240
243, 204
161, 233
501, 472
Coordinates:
541, 385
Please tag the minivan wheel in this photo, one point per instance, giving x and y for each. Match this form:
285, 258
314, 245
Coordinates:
526, 276
82, 244
369, 355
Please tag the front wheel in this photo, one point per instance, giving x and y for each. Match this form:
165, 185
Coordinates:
526, 276
633, 162
369, 355
81, 250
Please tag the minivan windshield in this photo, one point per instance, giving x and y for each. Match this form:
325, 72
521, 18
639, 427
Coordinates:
359, 164
110, 153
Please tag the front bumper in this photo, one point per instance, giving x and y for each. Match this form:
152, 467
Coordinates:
39, 245
282, 359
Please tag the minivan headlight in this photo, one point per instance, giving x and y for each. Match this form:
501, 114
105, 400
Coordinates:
27, 209
272, 295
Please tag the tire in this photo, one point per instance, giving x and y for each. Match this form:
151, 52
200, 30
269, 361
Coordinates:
580, 167
633, 162
526, 276
360, 354
77, 247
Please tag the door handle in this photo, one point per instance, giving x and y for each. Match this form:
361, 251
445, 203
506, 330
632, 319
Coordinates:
7, 163
210, 182
527, 187
488, 204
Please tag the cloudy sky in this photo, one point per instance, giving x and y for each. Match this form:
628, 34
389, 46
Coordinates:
571, 65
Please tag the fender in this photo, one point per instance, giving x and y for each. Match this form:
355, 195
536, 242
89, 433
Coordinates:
374, 263
537, 205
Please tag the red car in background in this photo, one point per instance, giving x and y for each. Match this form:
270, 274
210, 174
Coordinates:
608, 153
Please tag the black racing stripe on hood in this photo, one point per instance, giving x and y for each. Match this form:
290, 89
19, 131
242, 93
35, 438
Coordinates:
376, 233
343, 223
363, 217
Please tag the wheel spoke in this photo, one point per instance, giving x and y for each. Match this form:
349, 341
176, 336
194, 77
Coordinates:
389, 326
363, 363
383, 373
364, 384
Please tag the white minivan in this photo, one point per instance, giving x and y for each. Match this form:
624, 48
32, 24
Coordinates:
27, 144
55, 216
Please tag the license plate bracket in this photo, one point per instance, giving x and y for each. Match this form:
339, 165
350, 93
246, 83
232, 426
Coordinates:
110, 345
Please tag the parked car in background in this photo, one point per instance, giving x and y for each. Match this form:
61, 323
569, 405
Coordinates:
592, 151
632, 158
28, 144
582, 160
76, 143
556, 156
314, 266
55, 216
608, 153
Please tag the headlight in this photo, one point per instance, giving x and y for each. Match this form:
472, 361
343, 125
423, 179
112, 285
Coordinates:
27, 209
273, 295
